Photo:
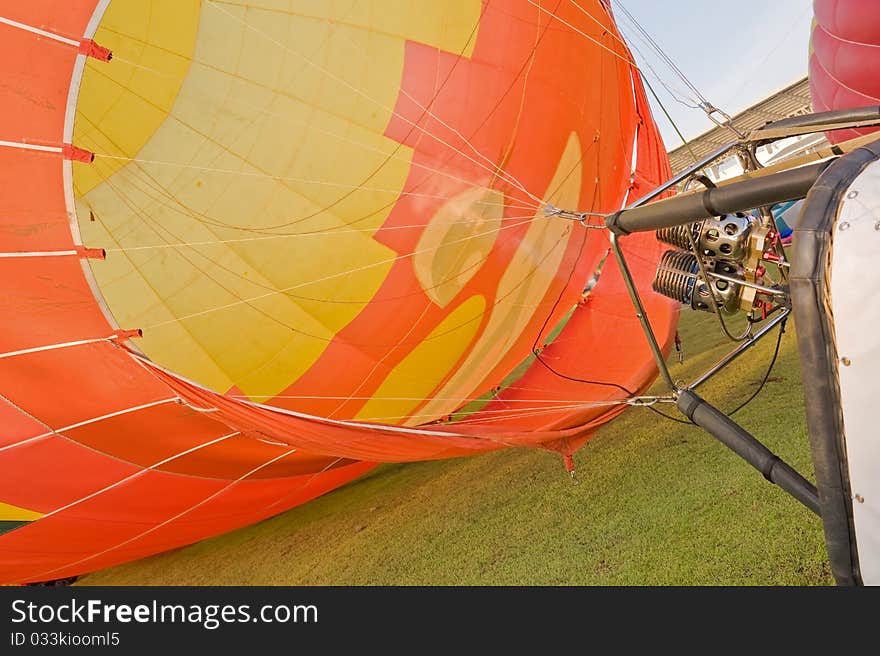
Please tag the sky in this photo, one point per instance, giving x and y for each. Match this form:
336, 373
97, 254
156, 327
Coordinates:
734, 52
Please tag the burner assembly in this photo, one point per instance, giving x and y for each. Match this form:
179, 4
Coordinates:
721, 261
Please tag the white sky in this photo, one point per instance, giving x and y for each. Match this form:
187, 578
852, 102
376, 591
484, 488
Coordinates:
735, 52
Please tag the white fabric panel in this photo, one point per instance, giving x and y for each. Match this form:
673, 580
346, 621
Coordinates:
855, 301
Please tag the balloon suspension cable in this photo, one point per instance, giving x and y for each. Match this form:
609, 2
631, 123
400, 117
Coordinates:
648, 401
572, 215
720, 118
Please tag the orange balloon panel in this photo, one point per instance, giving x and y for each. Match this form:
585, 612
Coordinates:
257, 251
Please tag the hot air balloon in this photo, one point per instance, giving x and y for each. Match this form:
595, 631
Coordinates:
249, 252
844, 58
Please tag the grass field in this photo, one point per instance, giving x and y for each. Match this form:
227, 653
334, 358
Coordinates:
658, 503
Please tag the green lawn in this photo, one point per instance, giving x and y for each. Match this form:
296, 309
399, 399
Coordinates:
658, 503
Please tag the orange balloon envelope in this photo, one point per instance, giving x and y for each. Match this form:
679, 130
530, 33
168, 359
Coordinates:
247, 253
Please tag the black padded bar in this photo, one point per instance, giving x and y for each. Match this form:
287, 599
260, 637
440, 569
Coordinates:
747, 447
735, 197
812, 245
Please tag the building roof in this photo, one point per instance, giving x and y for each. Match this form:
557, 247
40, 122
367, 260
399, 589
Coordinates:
793, 100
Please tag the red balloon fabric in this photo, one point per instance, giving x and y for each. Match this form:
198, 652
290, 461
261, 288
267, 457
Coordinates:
845, 58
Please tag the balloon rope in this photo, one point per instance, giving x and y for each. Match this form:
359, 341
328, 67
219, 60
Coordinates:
140, 473
649, 40
299, 180
167, 521
676, 93
390, 398
511, 413
305, 484
581, 32
324, 233
522, 415
149, 223
338, 275
59, 431
314, 233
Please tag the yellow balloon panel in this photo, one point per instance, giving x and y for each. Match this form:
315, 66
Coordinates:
426, 365
121, 105
241, 171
